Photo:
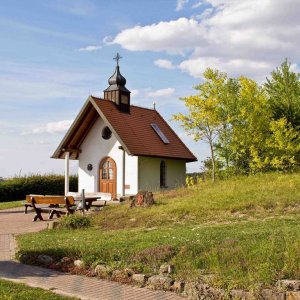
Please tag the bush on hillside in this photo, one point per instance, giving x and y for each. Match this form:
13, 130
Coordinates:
18, 187
75, 222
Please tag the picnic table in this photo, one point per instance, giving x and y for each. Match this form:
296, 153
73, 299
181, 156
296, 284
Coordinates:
91, 199
53, 205
64, 205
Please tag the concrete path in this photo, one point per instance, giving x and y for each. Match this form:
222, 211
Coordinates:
14, 221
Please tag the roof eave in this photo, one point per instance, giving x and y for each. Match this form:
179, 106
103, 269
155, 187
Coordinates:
58, 150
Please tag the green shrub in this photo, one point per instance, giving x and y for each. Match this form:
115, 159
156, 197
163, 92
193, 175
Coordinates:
75, 222
18, 187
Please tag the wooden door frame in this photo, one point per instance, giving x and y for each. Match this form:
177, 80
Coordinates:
114, 195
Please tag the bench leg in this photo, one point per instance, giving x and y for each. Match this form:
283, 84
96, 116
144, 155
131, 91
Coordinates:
38, 215
26, 208
51, 213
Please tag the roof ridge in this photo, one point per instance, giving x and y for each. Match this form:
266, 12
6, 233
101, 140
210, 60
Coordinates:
143, 107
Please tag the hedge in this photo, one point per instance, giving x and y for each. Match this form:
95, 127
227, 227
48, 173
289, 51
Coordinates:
18, 187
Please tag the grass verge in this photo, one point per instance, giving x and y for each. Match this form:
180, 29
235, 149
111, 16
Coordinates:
11, 204
237, 233
17, 291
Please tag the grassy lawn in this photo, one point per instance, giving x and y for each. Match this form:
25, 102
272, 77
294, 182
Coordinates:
238, 198
11, 204
242, 233
17, 291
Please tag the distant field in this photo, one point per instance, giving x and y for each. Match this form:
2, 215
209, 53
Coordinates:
12, 204
243, 232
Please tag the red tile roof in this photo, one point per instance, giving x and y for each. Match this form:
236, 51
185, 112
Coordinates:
133, 131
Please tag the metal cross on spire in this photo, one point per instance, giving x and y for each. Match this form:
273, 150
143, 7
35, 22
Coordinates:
117, 58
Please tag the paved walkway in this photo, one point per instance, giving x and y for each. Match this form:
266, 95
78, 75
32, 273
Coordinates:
14, 221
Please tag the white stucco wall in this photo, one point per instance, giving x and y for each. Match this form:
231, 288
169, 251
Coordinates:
93, 150
149, 173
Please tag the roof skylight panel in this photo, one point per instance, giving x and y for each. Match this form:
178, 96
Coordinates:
160, 133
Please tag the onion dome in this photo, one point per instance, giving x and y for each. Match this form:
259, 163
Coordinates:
117, 78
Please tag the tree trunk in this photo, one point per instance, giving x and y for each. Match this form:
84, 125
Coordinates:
213, 162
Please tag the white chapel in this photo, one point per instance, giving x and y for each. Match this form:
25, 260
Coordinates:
123, 148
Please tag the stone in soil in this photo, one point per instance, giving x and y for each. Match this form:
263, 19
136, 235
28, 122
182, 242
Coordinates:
199, 291
292, 285
269, 294
45, 259
166, 269
102, 271
292, 295
160, 282
178, 286
241, 295
139, 278
79, 263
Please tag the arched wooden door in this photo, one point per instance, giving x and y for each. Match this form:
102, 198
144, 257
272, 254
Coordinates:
108, 176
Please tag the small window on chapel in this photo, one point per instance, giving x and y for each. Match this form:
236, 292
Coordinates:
163, 174
106, 133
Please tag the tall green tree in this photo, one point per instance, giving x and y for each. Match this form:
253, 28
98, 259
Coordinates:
249, 123
237, 119
283, 90
283, 145
203, 120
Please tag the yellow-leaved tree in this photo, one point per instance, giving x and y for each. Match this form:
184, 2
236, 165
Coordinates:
203, 120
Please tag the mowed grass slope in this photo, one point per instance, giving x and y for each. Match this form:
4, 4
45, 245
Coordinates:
237, 198
243, 232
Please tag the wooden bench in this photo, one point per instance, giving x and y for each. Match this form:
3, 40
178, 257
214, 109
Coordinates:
56, 205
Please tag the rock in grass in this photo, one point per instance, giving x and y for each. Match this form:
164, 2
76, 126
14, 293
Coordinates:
102, 271
293, 285
166, 269
45, 259
139, 278
269, 294
53, 224
292, 295
241, 295
120, 275
178, 286
129, 272
160, 282
196, 290
66, 260
79, 263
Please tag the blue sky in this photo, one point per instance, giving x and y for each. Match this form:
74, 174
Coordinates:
55, 53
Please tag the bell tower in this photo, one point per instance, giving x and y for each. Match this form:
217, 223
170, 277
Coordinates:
117, 92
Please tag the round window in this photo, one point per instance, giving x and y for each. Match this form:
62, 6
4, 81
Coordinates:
106, 133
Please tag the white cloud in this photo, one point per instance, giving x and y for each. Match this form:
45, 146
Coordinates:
233, 67
196, 5
180, 4
237, 36
108, 40
51, 127
164, 63
167, 92
205, 14
90, 48
134, 92
173, 36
